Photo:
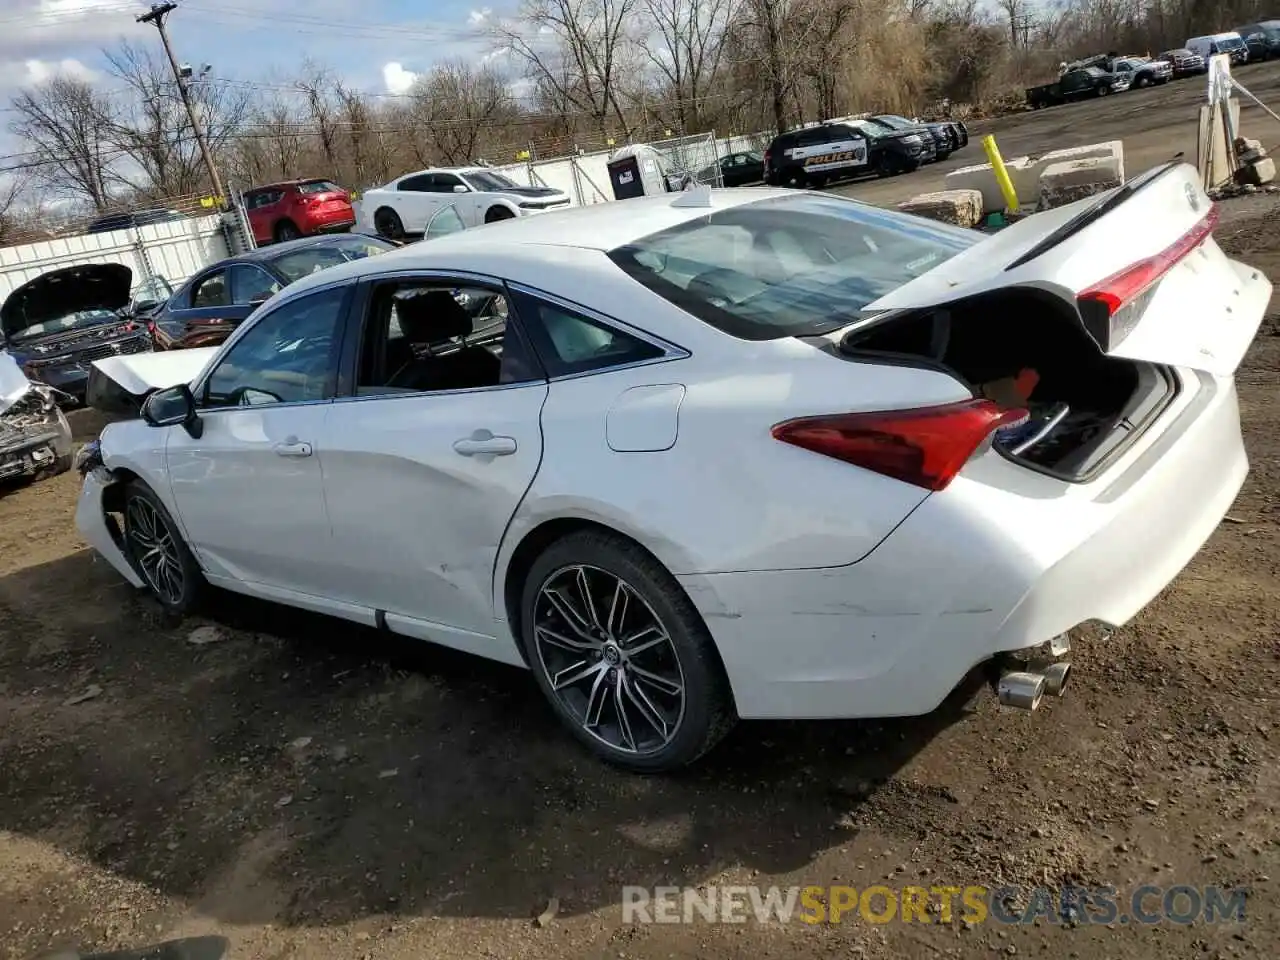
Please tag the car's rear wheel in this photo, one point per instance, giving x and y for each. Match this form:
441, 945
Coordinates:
388, 224
286, 230
622, 654
155, 546
494, 214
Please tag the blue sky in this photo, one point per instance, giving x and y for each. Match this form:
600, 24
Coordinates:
375, 45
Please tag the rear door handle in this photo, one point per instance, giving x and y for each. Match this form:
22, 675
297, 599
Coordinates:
292, 448
484, 443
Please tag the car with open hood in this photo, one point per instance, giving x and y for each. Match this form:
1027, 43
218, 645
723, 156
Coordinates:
55, 325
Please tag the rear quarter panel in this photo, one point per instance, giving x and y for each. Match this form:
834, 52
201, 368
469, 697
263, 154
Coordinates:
726, 496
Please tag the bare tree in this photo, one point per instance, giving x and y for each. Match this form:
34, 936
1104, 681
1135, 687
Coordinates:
155, 131
468, 106
686, 48
577, 49
67, 125
317, 86
10, 190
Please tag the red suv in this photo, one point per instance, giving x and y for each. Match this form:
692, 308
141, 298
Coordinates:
297, 208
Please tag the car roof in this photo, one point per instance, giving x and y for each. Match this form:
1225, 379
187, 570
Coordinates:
280, 184
578, 234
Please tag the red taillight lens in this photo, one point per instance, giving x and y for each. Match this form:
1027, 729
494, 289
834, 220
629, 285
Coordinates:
926, 446
1133, 281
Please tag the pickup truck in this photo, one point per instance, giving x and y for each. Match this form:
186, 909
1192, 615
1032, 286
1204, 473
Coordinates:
1076, 85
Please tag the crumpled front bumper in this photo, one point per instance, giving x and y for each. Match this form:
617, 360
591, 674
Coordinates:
97, 529
30, 449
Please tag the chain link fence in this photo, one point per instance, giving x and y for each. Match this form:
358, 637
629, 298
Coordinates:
694, 159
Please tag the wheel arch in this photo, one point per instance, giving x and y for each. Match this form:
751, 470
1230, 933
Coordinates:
530, 544
500, 203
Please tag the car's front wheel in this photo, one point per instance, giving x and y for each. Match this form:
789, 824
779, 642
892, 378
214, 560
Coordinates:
158, 552
622, 654
494, 214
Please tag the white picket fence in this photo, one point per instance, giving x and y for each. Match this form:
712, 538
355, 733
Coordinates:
173, 250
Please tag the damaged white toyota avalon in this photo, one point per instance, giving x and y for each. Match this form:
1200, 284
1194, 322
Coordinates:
688, 458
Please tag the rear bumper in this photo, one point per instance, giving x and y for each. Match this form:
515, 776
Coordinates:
1004, 559
91, 521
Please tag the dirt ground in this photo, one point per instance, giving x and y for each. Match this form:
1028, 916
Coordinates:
307, 789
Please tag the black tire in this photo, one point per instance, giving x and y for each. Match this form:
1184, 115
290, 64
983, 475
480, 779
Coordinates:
1104, 91
495, 214
58, 467
138, 499
706, 712
286, 230
387, 223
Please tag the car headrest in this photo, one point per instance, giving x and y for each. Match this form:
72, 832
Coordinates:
432, 316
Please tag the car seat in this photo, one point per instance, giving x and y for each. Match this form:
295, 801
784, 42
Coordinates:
436, 322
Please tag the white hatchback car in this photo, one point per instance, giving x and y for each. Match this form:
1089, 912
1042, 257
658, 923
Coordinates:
744, 453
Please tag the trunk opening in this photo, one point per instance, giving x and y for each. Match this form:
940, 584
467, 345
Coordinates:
1086, 408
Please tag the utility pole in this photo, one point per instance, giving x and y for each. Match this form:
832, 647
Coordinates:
157, 14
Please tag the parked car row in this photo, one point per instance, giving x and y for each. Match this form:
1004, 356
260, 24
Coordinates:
55, 325
1109, 73
884, 145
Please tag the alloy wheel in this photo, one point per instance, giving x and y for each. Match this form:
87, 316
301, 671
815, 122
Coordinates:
608, 659
156, 550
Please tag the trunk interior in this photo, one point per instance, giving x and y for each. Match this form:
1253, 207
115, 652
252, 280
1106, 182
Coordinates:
1085, 407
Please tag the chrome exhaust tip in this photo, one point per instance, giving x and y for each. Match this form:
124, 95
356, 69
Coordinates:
1055, 678
1021, 689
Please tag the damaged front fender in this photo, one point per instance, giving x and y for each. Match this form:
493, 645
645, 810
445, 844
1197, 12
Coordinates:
94, 517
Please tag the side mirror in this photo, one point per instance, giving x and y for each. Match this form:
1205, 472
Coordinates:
173, 406
459, 188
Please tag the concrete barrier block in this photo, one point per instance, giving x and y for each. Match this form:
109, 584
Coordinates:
964, 208
1258, 173
1025, 172
1063, 183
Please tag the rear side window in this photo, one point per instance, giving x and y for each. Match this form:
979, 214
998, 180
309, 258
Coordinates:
792, 266
568, 342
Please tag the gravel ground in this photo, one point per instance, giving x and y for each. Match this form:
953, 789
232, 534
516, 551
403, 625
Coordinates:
305, 788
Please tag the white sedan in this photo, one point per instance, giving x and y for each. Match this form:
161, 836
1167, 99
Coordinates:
404, 207
743, 453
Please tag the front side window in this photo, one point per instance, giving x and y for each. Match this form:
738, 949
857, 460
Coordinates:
445, 182
791, 266
429, 336
288, 356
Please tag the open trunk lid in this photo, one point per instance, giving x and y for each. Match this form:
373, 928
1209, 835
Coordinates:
1138, 263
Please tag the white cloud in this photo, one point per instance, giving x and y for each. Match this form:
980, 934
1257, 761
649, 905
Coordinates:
478, 17
397, 78
35, 72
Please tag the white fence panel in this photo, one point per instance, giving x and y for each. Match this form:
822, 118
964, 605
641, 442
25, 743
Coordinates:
173, 250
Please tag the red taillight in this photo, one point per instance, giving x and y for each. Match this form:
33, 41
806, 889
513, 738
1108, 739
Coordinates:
926, 446
1133, 281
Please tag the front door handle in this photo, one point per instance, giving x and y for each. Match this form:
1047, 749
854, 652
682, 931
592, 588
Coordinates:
484, 443
292, 447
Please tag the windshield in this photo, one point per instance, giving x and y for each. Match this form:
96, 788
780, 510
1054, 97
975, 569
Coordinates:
296, 264
898, 123
868, 129
1229, 43
489, 180
72, 321
788, 266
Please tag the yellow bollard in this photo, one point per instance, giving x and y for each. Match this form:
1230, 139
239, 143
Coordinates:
1002, 174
